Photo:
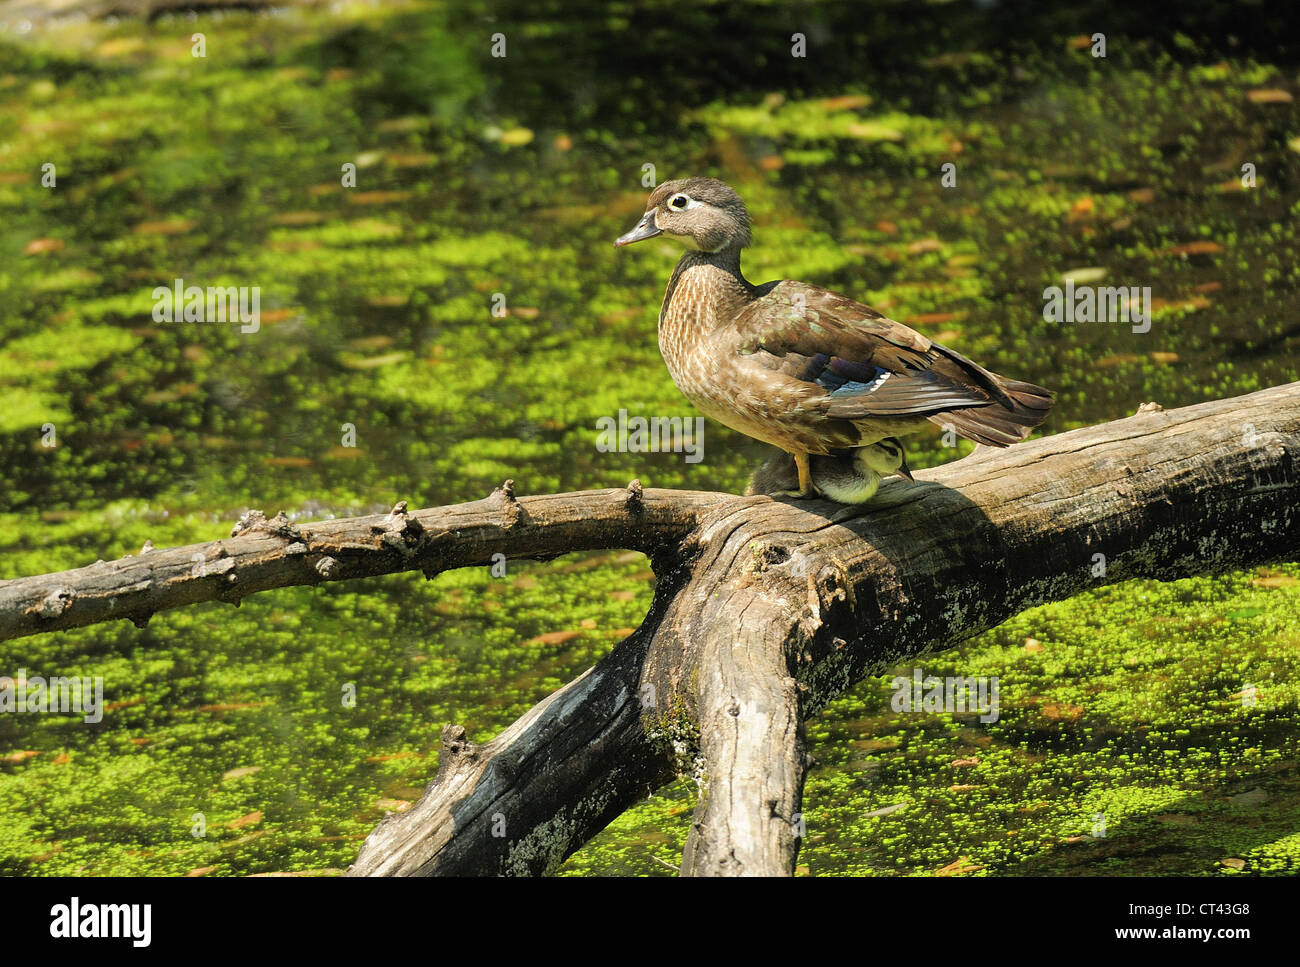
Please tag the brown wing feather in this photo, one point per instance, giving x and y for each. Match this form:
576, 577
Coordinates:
814, 348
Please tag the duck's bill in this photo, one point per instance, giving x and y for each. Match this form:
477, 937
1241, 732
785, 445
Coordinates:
905, 472
646, 228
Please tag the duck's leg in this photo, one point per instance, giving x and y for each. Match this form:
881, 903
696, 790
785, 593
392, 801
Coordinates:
801, 461
806, 487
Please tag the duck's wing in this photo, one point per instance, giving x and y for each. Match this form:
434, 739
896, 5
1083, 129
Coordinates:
855, 363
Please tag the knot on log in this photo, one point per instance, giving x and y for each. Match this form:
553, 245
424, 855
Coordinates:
510, 509
457, 749
400, 531
1149, 408
56, 602
635, 496
278, 526
766, 556
326, 567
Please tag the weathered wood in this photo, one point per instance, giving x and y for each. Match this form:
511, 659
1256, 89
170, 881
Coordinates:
265, 554
765, 610
777, 603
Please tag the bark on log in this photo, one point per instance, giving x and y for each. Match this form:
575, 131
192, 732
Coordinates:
764, 611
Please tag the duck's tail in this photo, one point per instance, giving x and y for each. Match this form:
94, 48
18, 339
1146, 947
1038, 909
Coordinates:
1021, 407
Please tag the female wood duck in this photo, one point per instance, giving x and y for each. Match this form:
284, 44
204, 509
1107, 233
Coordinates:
802, 368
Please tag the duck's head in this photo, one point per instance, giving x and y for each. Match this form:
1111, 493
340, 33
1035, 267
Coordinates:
702, 213
883, 457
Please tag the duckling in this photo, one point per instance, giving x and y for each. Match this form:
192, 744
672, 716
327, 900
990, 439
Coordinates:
844, 476
802, 368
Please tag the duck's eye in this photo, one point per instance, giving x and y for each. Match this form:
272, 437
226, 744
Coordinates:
679, 202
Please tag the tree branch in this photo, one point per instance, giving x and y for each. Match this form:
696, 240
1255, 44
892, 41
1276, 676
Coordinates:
264, 554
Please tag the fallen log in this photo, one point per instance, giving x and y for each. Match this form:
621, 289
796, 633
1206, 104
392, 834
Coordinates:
764, 611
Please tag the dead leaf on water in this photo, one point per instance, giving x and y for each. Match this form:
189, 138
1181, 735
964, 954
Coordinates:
885, 810
554, 638
412, 122
167, 226
231, 706
1062, 712
415, 159
241, 772
297, 218
1204, 247
344, 453
844, 102
957, 867
251, 819
40, 246
1269, 95
1274, 581
373, 362
379, 197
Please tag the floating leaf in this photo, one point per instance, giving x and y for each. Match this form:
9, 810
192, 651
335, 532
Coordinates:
1084, 276
241, 772
957, 867
1269, 95
554, 638
1204, 247
40, 246
168, 226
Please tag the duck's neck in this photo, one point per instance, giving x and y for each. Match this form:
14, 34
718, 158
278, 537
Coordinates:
706, 290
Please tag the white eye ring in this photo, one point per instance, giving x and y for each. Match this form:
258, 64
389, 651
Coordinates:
681, 202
